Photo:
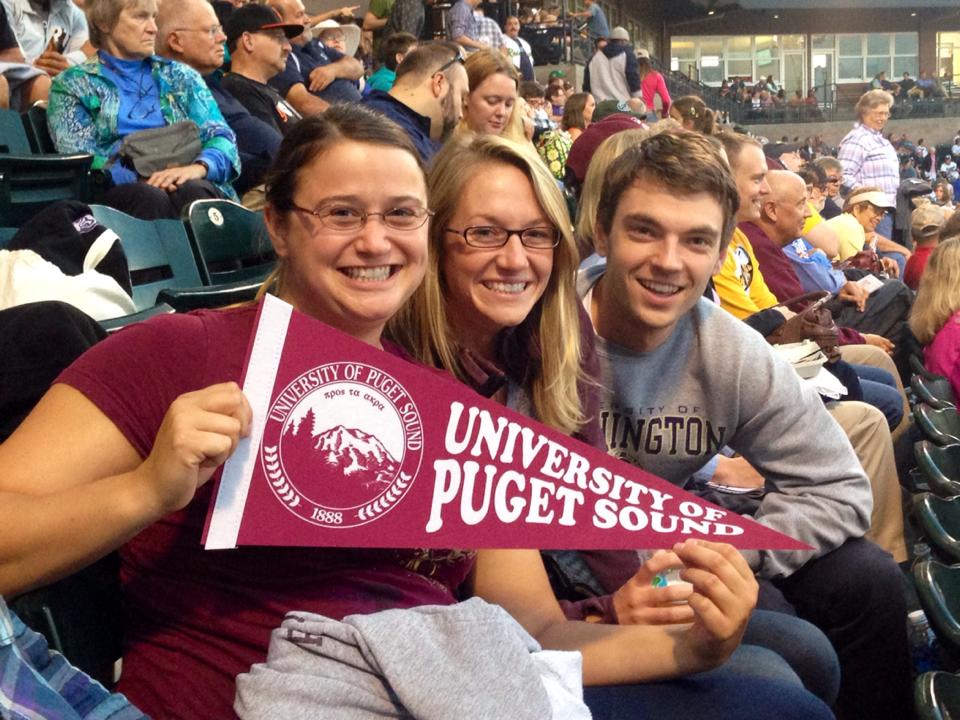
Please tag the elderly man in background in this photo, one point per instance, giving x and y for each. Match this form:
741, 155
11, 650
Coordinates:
870, 160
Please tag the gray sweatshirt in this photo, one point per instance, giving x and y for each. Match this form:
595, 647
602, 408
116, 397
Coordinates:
717, 382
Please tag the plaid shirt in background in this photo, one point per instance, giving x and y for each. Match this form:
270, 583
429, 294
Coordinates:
489, 32
37, 683
460, 22
869, 159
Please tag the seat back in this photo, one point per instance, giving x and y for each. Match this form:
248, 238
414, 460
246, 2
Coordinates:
229, 241
939, 519
158, 253
35, 123
13, 138
940, 465
938, 589
936, 392
917, 366
940, 426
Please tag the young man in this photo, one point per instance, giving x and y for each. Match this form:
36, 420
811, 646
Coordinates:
686, 378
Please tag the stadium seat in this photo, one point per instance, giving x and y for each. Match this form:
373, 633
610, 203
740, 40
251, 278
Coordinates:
939, 519
940, 466
30, 181
936, 696
939, 426
938, 588
38, 134
917, 366
936, 392
229, 241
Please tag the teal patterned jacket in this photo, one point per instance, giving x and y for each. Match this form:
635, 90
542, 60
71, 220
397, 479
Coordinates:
84, 104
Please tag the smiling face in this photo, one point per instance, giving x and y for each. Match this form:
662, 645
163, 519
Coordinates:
868, 215
661, 251
353, 280
489, 289
135, 34
876, 118
750, 174
489, 105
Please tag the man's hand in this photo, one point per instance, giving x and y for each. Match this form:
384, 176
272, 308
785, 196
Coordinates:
172, 178
724, 595
890, 267
854, 293
321, 77
880, 342
639, 602
51, 62
736, 472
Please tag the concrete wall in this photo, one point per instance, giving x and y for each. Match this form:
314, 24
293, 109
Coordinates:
933, 130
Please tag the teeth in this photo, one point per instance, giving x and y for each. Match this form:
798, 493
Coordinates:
503, 287
368, 273
661, 288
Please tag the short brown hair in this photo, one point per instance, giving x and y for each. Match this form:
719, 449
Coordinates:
686, 162
427, 59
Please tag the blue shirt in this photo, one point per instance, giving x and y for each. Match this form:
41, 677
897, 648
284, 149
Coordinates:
597, 25
417, 126
302, 61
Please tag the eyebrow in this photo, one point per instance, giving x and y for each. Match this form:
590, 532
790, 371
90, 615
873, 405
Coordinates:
698, 230
393, 201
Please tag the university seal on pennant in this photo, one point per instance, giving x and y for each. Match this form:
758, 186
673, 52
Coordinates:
342, 445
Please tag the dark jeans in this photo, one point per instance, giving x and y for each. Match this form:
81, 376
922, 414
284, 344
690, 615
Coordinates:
716, 695
149, 203
855, 595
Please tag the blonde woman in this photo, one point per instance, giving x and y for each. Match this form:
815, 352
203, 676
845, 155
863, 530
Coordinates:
491, 106
935, 319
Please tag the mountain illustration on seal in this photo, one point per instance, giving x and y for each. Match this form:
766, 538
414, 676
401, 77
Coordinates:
357, 459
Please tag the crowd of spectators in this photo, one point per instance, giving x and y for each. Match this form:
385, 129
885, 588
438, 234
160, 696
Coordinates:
698, 243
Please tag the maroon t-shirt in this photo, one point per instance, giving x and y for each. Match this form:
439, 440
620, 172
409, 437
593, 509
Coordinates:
195, 619
916, 264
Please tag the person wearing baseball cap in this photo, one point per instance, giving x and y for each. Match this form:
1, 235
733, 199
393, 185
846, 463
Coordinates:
926, 222
869, 206
259, 43
613, 72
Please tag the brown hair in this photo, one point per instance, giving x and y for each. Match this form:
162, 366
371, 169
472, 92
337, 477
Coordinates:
573, 111
686, 162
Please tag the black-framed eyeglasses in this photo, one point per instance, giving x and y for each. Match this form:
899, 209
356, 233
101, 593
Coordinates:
458, 58
348, 218
492, 236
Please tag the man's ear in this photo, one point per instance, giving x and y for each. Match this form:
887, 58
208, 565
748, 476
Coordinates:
768, 210
721, 258
439, 85
600, 241
173, 42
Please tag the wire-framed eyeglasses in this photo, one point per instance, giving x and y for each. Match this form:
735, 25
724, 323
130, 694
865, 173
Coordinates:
493, 236
347, 217
213, 31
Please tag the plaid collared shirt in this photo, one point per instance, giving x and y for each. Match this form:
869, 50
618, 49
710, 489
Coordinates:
461, 22
869, 159
489, 32
37, 683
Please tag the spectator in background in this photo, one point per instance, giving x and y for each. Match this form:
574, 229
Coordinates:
462, 25
426, 99
926, 223
39, 27
375, 21
189, 32
20, 85
652, 84
693, 114
554, 146
393, 50
407, 16
906, 85
935, 319
344, 39
314, 76
488, 31
518, 49
537, 109
948, 168
833, 170
125, 88
867, 157
927, 86
259, 45
491, 105
943, 194
597, 26
955, 148
613, 73
556, 98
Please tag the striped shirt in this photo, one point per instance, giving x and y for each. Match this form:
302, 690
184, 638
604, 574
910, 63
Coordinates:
869, 159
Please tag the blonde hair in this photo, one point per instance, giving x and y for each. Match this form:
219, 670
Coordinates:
609, 150
481, 65
424, 326
871, 100
938, 296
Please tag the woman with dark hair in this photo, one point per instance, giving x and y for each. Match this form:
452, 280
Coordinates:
554, 145
126, 89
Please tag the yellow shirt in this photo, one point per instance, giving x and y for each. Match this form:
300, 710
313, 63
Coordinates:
811, 222
850, 234
739, 283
